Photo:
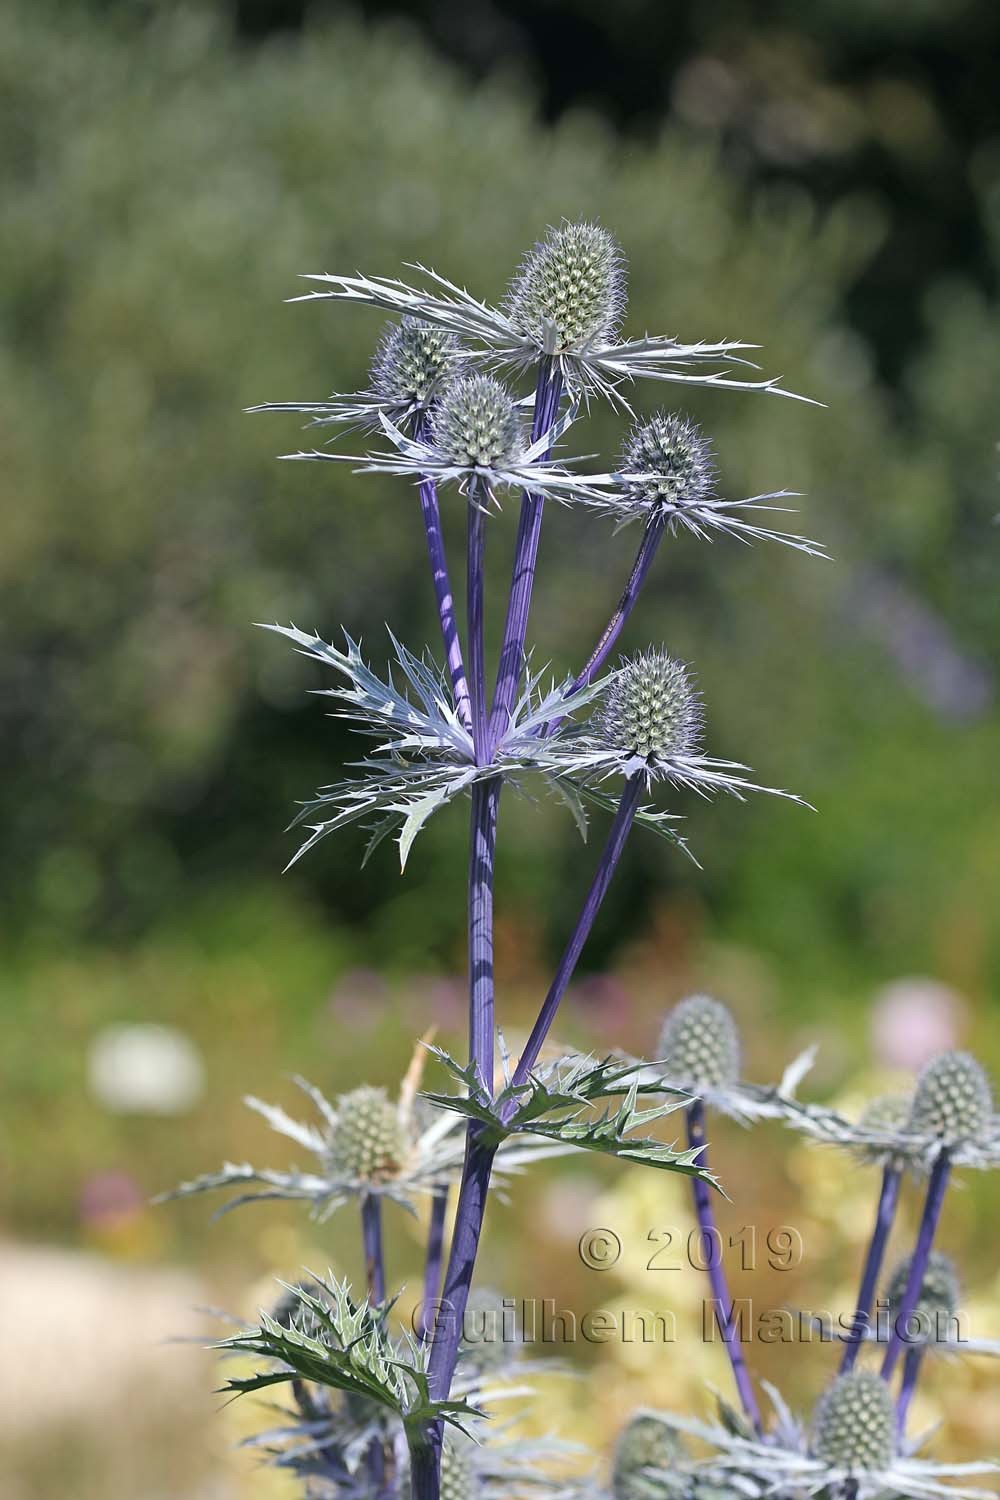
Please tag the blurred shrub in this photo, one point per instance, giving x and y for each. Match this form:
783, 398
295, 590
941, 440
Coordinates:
163, 191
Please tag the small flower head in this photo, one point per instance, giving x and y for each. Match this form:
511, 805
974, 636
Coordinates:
476, 424
367, 1144
458, 1475
953, 1100
882, 1116
570, 289
411, 360
667, 465
938, 1301
855, 1422
489, 1334
651, 711
700, 1044
645, 1442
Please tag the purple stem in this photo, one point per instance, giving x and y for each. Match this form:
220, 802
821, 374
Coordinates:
475, 550
371, 1234
936, 1190
716, 1272
424, 1484
548, 393
482, 856
884, 1217
432, 1263
602, 879
442, 589
911, 1372
651, 538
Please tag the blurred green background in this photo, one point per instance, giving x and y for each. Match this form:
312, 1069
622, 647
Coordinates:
824, 181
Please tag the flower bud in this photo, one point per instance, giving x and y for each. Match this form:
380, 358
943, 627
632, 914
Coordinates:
411, 359
367, 1144
476, 424
651, 709
953, 1099
570, 289
645, 1442
937, 1303
669, 463
458, 1476
700, 1043
855, 1421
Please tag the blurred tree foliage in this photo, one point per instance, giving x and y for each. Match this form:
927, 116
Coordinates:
163, 189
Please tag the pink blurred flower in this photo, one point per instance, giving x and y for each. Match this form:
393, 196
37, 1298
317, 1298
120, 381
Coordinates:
913, 1019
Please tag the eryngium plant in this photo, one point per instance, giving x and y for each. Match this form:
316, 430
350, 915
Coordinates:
440, 411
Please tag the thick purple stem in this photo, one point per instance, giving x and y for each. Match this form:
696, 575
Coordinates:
433, 1260
450, 1312
475, 599
482, 856
371, 1234
651, 538
610, 856
548, 393
936, 1189
884, 1217
711, 1250
911, 1373
424, 1483
431, 513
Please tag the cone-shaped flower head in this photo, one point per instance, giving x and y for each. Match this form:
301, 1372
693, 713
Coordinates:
937, 1303
953, 1100
645, 1442
651, 710
411, 359
476, 424
458, 1475
570, 289
700, 1044
887, 1112
367, 1144
669, 463
855, 1421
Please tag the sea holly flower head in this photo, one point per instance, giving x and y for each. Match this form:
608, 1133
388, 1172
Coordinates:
564, 305
411, 362
854, 1427
368, 1143
850, 1451
476, 425
701, 1044
645, 1442
667, 478
953, 1100
651, 711
569, 292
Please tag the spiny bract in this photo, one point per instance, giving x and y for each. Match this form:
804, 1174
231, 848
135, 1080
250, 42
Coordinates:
645, 1442
651, 709
572, 285
674, 460
476, 424
411, 358
938, 1301
367, 1144
700, 1043
854, 1424
953, 1099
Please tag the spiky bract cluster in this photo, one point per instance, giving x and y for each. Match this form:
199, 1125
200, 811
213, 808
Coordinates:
937, 1302
700, 1043
854, 1424
668, 461
953, 1100
570, 289
651, 709
645, 1442
476, 424
367, 1144
458, 1476
411, 359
